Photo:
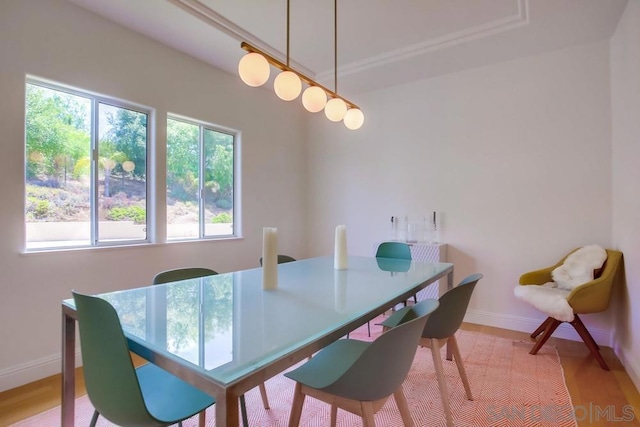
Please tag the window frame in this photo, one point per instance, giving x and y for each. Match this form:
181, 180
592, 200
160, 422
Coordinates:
94, 152
236, 211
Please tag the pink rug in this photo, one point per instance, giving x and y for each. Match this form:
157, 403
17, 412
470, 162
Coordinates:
510, 388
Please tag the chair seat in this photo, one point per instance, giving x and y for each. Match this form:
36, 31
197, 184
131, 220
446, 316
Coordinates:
549, 300
167, 397
339, 356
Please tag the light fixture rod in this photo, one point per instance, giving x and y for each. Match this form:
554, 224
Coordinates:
287, 33
273, 61
335, 44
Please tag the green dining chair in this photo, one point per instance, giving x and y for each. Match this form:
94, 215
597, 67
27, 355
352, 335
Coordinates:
121, 393
439, 330
194, 273
282, 259
360, 376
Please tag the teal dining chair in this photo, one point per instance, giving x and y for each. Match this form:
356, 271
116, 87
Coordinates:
282, 259
360, 376
194, 273
439, 330
121, 393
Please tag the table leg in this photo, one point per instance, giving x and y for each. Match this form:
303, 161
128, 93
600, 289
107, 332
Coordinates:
67, 408
227, 410
449, 286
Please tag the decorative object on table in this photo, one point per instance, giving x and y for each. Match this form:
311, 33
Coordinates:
439, 330
578, 284
360, 376
340, 251
282, 259
269, 258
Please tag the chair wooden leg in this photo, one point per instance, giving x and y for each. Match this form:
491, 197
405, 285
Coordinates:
263, 394
368, 419
453, 344
202, 419
334, 415
550, 328
296, 406
541, 328
403, 407
442, 381
589, 341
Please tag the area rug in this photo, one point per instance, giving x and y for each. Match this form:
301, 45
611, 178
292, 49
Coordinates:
510, 388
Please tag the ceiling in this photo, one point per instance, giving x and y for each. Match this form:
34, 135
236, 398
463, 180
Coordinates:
380, 42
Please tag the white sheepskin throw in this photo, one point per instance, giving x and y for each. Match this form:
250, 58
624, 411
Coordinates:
547, 299
578, 268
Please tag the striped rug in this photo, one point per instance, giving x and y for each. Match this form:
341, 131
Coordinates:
510, 388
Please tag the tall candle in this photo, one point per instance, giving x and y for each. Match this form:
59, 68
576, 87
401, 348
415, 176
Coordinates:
340, 251
269, 258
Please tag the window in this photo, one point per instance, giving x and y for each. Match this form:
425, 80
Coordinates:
200, 180
86, 169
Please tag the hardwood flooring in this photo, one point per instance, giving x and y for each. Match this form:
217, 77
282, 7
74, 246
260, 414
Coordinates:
600, 398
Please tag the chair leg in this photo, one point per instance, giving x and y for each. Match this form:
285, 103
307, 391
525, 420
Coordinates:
401, 403
94, 419
541, 328
243, 411
549, 329
589, 341
369, 328
334, 415
453, 344
263, 395
296, 406
368, 419
442, 381
202, 419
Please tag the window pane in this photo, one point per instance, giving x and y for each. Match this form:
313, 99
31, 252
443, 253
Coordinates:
122, 177
182, 180
218, 183
58, 168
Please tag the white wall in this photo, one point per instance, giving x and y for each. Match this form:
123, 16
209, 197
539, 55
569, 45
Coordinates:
59, 41
625, 94
516, 156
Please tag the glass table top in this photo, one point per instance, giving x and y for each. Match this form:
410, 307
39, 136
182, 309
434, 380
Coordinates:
227, 326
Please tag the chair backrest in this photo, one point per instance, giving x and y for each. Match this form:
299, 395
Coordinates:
384, 365
396, 250
109, 374
594, 296
182, 274
446, 320
282, 259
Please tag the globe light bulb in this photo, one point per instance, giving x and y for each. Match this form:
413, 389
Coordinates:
314, 99
353, 119
287, 85
254, 69
335, 109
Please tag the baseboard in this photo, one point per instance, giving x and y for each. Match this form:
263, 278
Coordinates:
34, 370
630, 363
525, 324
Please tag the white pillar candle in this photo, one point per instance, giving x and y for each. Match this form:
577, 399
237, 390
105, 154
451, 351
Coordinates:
269, 258
340, 252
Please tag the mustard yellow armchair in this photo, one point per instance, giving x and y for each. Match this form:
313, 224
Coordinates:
591, 297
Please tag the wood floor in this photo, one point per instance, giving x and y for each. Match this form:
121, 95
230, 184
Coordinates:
600, 398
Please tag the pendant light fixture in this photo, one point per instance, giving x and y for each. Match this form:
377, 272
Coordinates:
254, 70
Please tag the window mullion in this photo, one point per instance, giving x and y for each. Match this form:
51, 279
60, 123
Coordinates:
95, 170
201, 175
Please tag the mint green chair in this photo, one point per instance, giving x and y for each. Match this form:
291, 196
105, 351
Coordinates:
121, 393
360, 376
282, 259
193, 273
440, 329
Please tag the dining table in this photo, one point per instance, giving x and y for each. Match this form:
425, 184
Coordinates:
226, 334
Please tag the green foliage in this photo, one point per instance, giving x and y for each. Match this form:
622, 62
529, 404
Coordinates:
126, 139
222, 218
41, 209
133, 213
